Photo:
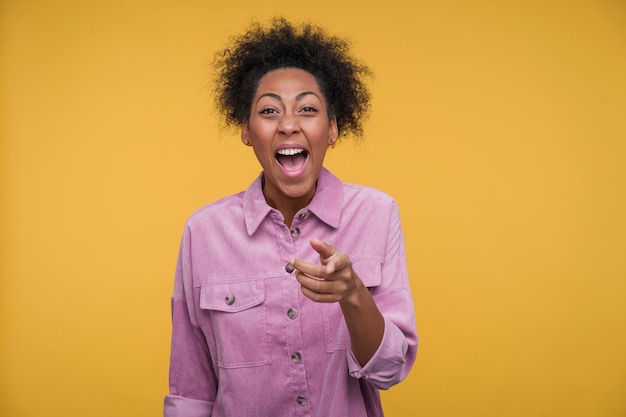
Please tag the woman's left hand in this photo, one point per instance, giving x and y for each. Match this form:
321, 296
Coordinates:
333, 280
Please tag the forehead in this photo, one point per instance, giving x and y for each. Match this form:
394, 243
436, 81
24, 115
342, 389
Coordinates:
288, 80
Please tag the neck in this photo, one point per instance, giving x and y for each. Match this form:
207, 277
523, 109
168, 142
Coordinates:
288, 206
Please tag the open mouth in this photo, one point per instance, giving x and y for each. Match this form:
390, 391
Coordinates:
292, 159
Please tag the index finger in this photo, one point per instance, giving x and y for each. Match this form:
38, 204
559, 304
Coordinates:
326, 250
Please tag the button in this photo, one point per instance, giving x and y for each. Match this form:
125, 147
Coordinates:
296, 357
229, 300
295, 232
301, 400
303, 215
292, 313
289, 268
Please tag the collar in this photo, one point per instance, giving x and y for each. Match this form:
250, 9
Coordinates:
326, 203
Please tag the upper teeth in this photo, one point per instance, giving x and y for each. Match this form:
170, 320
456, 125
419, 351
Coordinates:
290, 151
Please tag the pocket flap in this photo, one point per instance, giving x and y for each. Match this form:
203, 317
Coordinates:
369, 270
232, 297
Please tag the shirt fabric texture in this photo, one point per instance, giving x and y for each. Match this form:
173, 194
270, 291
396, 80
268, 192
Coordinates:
247, 342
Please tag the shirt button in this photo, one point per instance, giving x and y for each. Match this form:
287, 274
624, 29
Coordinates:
296, 357
229, 300
301, 400
303, 215
295, 232
292, 313
289, 268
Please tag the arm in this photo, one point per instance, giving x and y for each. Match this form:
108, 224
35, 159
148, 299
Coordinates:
381, 324
191, 376
339, 283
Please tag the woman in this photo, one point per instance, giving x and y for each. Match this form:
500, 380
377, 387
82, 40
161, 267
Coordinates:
291, 298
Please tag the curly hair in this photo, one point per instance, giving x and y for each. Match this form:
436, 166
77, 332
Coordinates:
341, 78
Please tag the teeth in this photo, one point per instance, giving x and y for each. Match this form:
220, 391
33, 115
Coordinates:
290, 152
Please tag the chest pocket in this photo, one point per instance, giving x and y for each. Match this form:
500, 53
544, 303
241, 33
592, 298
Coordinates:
239, 319
335, 330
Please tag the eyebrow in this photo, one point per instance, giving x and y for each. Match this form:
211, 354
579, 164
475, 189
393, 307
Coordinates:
277, 97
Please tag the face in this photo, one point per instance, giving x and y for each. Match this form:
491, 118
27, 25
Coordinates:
289, 130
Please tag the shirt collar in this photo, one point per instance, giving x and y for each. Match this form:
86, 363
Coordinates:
326, 203
328, 199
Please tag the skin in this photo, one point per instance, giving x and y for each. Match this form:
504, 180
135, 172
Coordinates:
289, 111
337, 282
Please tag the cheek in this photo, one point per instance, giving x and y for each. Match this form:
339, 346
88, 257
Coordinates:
263, 154
261, 137
320, 151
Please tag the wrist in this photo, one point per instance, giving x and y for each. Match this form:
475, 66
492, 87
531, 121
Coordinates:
356, 298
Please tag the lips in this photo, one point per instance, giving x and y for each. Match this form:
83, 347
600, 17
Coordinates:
292, 160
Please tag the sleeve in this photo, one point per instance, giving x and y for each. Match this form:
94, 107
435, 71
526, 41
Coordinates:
397, 351
192, 382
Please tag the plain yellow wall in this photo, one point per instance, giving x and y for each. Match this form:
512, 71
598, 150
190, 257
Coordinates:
499, 126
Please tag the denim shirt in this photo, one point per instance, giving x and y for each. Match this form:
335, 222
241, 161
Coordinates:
247, 342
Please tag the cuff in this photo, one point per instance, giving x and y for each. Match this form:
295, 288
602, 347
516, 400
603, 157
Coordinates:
384, 369
176, 406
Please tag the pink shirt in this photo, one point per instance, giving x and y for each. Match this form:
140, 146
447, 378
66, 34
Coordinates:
247, 342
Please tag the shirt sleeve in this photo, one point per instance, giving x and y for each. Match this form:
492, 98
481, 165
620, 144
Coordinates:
396, 354
192, 382
176, 406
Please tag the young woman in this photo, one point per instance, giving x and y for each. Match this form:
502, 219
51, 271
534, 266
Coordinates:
291, 298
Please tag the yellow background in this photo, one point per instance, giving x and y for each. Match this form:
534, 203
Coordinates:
499, 127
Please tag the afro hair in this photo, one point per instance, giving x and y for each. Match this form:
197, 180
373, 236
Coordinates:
241, 65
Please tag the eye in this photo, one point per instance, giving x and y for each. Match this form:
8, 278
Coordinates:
309, 109
268, 111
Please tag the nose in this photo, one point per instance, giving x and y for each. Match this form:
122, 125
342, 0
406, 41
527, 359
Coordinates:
288, 124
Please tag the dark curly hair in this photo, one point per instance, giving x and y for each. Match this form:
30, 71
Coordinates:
341, 78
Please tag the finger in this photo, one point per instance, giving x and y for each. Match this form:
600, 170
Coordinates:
329, 256
320, 298
337, 262
325, 250
313, 270
331, 259
319, 286
318, 290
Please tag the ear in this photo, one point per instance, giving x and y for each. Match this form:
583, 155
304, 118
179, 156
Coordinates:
245, 133
333, 132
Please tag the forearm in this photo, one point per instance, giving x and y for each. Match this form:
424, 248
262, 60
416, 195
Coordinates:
365, 323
